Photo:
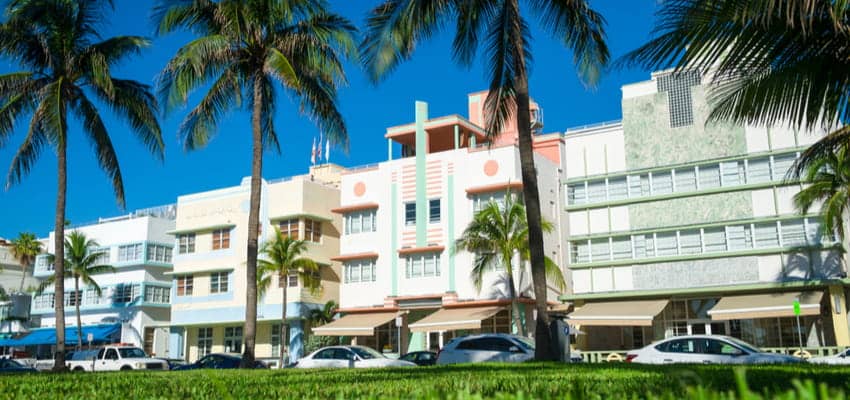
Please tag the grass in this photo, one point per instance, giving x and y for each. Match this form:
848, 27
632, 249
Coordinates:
502, 381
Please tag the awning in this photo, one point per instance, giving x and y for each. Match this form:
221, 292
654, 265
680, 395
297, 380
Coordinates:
617, 313
355, 324
450, 319
769, 305
100, 333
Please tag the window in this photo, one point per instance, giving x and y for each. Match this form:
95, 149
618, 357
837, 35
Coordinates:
73, 298
159, 253
621, 247
596, 191
679, 346
715, 239
205, 341
579, 252
480, 200
758, 170
766, 235
186, 243
44, 301
102, 257
91, 297
486, 344
689, 242
434, 211
793, 233
218, 282
157, 294
130, 252
360, 221
576, 194
410, 214
740, 237
359, 271
313, 231
599, 250
275, 340
221, 239
686, 180
781, 165
185, 285
709, 177
679, 102
289, 228
618, 188
422, 265
662, 183
665, 244
233, 339
125, 293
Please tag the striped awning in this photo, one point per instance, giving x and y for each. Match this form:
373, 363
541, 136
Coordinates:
450, 319
617, 313
361, 324
768, 305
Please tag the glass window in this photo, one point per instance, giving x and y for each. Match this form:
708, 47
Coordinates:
600, 250
715, 239
289, 228
781, 165
681, 346
638, 185
813, 232
205, 340
621, 247
292, 280
793, 233
102, 257
218, 282
360, 221
579, 251
221, 239
410, 214
576, 194
709, 177
662, 183
686, 180
689, 242
185, 284
157, 294
313, 231
434, 211
596, 191
159, 253
125, 293
758, 170
481, 200
186, 243
359, 271
665, 244
72, 298
233, 339
644, 246
91, 297
422, 265
766, 235
733, 173
275, 340
130, 252
618, 188
740, 237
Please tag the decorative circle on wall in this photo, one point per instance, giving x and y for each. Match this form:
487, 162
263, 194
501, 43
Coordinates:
359, 189
491, 167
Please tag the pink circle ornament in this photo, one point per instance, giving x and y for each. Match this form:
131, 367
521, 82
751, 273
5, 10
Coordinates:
359, 189
491, 167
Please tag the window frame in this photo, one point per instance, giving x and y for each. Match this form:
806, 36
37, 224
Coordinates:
185, 285
434, 218
410, 213
186, 243
221, 239
312, 230
219, 282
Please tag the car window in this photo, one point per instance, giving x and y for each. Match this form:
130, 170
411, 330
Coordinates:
425, 357
525, 343
208, 362
486, 344
100, 353
744, 345
681, 346
342, 354
111, 354
408, 357
132, 352
325, 354
366, 353
471, 344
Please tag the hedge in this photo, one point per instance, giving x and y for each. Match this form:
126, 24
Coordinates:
502, 381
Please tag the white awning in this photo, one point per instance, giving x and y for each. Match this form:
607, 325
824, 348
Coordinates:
769, 305
617, 313
361, 324
450, 319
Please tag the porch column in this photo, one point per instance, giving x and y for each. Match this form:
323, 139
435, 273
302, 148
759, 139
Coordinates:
838, 311
457, 137
389, 149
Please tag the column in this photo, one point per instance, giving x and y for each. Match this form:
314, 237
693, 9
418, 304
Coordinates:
838, 311
457, 137
421, 150
389, 149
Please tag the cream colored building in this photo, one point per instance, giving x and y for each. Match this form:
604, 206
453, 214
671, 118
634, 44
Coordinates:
208, 295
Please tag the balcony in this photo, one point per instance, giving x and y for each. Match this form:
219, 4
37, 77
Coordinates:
124, 255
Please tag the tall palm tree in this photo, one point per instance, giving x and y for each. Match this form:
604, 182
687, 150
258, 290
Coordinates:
282, 259
395, 27
827, 181
81, 259
65, 62
243, 49
773, 62
24, 248
497, 235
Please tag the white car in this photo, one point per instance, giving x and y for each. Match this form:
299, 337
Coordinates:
496, 347
842, 358
116, 358
705, 349
349, 357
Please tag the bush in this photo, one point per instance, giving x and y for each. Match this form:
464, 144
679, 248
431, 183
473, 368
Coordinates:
317, 342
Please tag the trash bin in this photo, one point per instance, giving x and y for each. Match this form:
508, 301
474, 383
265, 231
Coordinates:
559, 332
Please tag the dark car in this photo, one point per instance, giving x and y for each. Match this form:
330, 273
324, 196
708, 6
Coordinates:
218, 361
173, 363
7, 365
420, 358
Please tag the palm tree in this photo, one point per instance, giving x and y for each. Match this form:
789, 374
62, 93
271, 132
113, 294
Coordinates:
82, 264
395, 27
243, 48
24, 248
325, 314
64, 62
283, 258
497, 235
827, 182
773, 62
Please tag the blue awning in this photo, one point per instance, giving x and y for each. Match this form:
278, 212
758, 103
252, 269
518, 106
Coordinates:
101, 334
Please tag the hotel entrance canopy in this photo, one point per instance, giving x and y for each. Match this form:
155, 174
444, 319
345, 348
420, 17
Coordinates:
355, 324
619, 313
450, 319
769, 305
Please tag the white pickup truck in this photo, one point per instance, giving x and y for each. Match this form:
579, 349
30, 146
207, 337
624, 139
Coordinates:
116, 358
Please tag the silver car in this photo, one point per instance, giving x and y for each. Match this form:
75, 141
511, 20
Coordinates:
349, 357
842, 358
705, 349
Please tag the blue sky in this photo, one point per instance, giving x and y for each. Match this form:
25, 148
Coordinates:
430, 76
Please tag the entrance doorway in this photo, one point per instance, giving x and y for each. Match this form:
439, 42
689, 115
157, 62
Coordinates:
707, 327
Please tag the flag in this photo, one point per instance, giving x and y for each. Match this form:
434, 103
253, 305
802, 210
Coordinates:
319, 149
313, 153
327, 150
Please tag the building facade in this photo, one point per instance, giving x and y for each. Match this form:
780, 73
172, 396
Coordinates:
134, 306
677, 226
208, 296
404, 286
16, 280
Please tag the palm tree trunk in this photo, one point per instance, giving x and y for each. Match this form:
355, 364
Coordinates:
253, 228
59, 255
77, 306
284, 326
515, 314
24, 267
532, 204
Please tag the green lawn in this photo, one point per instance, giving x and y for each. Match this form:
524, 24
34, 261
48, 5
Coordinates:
520, 381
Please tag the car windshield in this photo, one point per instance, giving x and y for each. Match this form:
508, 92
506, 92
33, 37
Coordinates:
744, 345
525, 343
366, 353
131, 352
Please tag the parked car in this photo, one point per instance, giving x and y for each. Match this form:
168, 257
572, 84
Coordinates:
486, 347
420, 358
349, 357
705, 349
218, 361
114, 358
9, 365
172, 362
842, 358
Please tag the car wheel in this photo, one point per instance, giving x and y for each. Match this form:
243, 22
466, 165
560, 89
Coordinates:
79, 369
126, 368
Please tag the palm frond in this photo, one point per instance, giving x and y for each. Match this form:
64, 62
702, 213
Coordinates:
98, 136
